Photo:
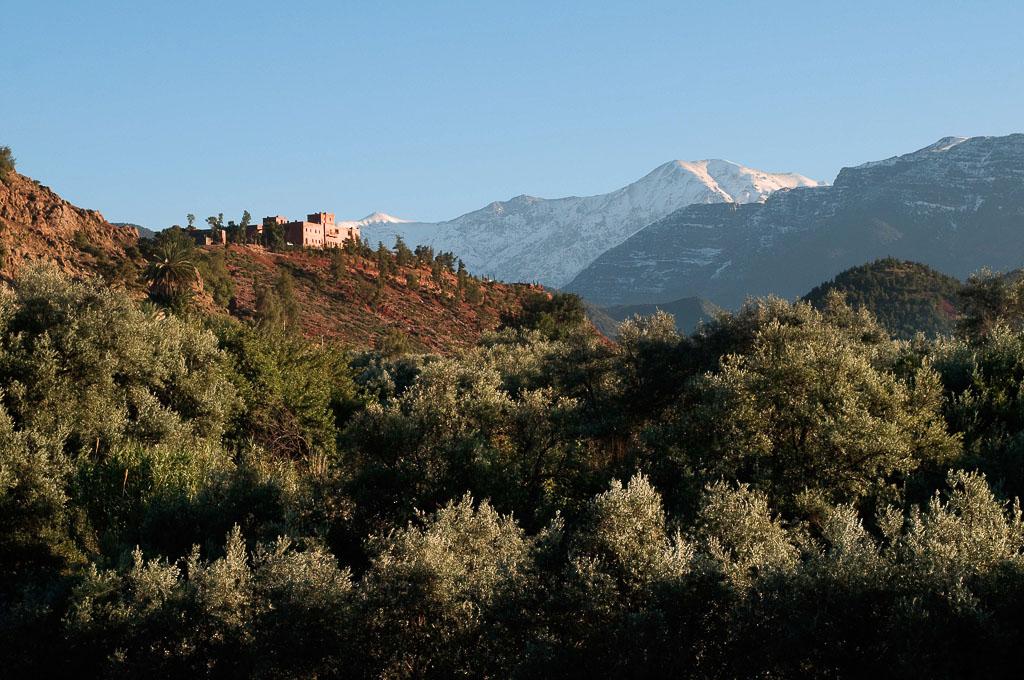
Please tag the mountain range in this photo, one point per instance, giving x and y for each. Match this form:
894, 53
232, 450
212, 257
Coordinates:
714, 232
551, 240
959, 202
956, 205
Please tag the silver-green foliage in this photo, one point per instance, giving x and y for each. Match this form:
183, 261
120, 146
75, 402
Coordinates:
437, 588
216, 616
89, 367
810, 404
629, 539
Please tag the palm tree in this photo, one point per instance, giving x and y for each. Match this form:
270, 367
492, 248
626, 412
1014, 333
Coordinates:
171, 274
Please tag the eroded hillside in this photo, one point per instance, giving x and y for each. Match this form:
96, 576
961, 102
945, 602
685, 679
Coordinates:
345, 299
342, 299
37, 224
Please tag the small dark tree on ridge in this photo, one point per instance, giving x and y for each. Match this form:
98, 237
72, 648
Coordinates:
7, 161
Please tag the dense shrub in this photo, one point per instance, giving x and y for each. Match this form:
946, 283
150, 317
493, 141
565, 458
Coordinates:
89, 369
806, 497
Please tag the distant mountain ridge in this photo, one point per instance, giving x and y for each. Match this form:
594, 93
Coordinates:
956, 205
688, 312
550, 240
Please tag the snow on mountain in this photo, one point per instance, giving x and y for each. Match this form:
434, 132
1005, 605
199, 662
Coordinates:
551, 240
956, 205
944, 144
372, 218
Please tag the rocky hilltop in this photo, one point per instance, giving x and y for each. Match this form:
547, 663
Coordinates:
957, 205
353, 304
37, 224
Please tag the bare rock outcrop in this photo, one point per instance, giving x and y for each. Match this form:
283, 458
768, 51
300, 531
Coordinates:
37, 224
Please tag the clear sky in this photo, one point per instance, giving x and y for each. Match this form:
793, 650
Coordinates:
429, 109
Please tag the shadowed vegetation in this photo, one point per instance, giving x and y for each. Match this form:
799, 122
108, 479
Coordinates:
786, 492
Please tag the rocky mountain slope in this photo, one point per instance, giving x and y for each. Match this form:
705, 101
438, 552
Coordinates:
37, 224
956, 205
551, 240
144, 232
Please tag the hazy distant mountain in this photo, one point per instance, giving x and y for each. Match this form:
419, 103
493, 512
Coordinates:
143, 231
602, 322
551, 240
956, 205
688, 312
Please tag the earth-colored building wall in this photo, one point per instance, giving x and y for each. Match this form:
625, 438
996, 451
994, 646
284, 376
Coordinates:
318, 230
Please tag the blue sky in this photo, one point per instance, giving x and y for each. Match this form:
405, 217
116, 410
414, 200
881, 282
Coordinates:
426, 110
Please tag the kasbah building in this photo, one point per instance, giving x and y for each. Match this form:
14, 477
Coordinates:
318, 230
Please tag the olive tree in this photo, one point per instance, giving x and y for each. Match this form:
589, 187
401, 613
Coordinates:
440, 593
808, 407
90, 368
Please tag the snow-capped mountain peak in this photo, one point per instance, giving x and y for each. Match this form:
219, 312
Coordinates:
372, 218
377, 217
734, 182
945, 144
550, 240
955, 205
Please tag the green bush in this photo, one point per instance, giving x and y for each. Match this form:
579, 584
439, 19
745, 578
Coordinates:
7, 162
217, 280
807, 497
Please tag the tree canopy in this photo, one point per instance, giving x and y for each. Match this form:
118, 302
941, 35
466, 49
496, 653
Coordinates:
788, 491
